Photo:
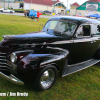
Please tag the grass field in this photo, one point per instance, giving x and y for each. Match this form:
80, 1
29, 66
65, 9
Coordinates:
83, 85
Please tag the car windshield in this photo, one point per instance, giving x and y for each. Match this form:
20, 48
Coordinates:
60, 26
65, 27
51, 24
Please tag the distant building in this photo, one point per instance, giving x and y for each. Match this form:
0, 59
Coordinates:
15, 4
45, 5
50, 5
87, 8
73, 8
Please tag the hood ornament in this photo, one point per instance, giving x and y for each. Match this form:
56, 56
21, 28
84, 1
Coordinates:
7, 36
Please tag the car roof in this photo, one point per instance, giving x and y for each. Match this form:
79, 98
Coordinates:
78, 20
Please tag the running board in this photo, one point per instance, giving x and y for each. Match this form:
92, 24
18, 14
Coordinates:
77, 67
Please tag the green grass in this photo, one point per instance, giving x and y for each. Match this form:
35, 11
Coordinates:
19, 25
83, 85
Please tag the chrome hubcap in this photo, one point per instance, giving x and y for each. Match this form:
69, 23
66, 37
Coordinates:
47, 78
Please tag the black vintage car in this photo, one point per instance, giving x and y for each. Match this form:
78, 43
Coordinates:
65, 45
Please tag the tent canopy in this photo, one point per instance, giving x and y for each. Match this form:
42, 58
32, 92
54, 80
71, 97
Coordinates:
95, 15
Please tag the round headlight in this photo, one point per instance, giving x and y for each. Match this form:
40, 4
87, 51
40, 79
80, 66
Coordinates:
13, 57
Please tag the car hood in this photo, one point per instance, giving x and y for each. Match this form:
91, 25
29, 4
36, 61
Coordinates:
34, 35
25, 41
30, 36
37, 37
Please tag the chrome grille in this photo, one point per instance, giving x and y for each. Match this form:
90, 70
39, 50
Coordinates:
3, 63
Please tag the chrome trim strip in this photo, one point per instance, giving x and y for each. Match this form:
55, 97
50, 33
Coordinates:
6, 67
66, 41
2, 66
2, 53
3, 59
81, 69
2, 63
12, 79
9, 65
79, 63
3, 56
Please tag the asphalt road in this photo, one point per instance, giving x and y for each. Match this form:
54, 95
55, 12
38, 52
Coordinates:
22, 14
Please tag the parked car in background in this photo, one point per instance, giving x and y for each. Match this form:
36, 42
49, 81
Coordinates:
8, 11
33, 13
65, 45
1, 9
47, 12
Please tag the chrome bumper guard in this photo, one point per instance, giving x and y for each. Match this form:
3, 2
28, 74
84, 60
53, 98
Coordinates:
12, 79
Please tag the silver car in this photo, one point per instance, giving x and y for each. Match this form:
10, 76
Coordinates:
8, 11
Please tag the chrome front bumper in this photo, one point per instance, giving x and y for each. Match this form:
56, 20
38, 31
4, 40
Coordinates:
12, 79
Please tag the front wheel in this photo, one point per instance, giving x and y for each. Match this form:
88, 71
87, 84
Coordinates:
46, 78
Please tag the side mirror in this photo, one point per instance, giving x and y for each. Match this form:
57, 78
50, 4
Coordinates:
81, 33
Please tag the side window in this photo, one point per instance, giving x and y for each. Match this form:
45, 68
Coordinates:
96, 30
84, 30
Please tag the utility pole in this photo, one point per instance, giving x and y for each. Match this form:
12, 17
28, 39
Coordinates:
67, 4
67, 7
4, 4
54, 6
8, 3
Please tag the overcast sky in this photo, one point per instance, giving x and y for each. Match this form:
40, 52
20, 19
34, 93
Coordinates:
72, 1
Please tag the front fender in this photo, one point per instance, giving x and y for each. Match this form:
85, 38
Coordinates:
54, 56
30, 66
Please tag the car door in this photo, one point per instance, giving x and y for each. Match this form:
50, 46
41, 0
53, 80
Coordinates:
81, 46
96, 39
